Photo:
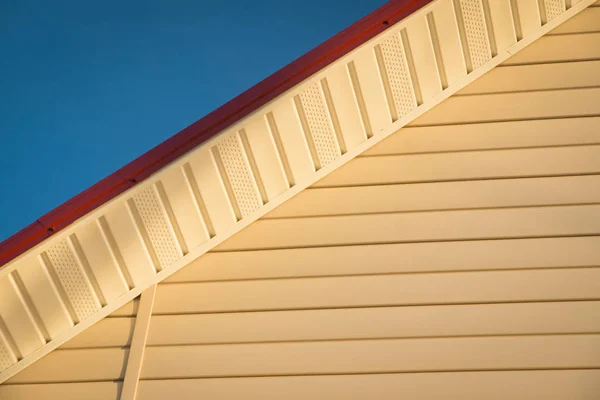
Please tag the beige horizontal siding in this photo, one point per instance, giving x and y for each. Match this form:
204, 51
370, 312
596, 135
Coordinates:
417, 227
379, 322
108, 332
128, 310
586, 21
472, 165
514, 106
559, 48
394, 258
441, 196
499, 385
114, 331
380, 290
537, 77
514, 385
89, 366
490, 136
396, 355
62, 391
80, 365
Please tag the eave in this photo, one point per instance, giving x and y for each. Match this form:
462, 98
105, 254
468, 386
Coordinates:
157, 214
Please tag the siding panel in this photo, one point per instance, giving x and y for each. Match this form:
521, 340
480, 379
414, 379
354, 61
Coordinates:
370, 323
491, 135
417, 227
62, 391
576, 47
383, 290
128, 310
537, 77
109, 332
587, 21
466, 166
404, 355
513, 106
515, 385
394, 258
82, 365
441, 196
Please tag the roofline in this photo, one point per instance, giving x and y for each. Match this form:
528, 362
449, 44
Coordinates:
210, 125
184, 209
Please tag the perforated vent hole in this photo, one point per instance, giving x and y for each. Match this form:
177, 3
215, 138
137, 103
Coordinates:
475, 31
239, 175
319, 125
157, 227
72, 279
396, 66
554, 8
6, 359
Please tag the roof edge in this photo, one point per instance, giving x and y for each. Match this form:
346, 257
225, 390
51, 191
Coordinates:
207, 127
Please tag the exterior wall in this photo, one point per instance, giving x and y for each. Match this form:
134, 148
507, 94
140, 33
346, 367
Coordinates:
456, 259
91, 366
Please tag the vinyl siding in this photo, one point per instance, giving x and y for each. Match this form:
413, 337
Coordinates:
90, 366
457, 259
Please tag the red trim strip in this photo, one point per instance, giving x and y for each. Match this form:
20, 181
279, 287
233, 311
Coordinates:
207, 127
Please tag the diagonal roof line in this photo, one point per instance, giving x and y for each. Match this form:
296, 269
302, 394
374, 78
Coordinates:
207, 127
109, 252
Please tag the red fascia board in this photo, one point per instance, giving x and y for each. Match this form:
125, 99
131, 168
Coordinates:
209, 126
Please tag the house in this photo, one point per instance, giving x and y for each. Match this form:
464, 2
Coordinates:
410, 210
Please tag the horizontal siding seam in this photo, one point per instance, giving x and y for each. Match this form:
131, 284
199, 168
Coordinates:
425, 371
367, 274
374, 339
480, 150
435, 210
429, 304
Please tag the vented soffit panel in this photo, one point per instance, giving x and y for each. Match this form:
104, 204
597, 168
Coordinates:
148, 220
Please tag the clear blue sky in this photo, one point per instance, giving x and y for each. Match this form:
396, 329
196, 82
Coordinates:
87, 86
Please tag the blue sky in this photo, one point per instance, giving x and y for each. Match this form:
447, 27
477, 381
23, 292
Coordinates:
87, 86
